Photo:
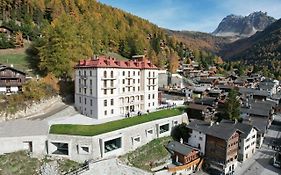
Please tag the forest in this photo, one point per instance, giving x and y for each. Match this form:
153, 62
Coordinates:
65, 31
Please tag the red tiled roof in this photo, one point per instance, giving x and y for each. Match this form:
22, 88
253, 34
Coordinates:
110, 62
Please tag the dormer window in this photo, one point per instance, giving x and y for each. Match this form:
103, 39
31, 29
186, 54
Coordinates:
104, 74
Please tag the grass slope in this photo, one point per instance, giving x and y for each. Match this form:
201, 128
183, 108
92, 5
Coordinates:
18, 60
91, 130
18, 163
150, 155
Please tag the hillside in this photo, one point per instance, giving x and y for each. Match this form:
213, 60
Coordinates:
200, 40
262, 51
71, 30
243, 26
265, 45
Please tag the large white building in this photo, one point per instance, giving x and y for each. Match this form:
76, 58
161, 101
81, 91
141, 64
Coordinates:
105, 87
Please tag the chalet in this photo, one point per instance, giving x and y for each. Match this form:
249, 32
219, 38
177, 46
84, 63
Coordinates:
207, 81
209, 101
184, 158
222, 150
216, 93
11, 79
269, 86
247, 141
201, 112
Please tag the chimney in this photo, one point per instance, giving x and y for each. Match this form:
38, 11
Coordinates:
235, 121
181, 141
211, 123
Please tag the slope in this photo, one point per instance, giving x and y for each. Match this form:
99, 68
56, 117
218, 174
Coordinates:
262, 46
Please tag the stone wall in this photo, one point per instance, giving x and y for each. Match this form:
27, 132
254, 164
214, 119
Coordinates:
33, 109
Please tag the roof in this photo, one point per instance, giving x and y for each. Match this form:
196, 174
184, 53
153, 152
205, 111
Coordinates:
260, 123
216, 130
244, 127
110, 62
210, 101
197, 107
178, 147
21, 127
3, 67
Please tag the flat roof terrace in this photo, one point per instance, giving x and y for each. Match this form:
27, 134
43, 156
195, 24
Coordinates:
92, 130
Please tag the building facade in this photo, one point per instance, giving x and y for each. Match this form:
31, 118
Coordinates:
11, 79
105, 87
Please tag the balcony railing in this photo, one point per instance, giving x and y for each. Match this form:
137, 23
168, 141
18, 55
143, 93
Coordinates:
2, 84
109, 78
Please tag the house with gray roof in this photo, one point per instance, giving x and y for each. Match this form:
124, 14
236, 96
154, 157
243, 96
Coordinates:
247, 141
222, 150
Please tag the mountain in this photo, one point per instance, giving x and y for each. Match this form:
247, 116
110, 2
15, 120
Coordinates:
243, 26
262, 47
200, 40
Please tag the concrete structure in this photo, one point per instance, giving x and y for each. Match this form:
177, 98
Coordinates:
105, 87
24, 135
111, 144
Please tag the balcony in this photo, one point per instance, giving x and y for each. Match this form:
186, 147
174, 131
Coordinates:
83, 76
152, 77
4, 84
108, 87
83, 86
109, 78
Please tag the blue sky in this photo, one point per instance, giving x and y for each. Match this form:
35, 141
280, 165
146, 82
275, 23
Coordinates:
195, 15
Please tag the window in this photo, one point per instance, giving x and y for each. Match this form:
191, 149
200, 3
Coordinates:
134, 89
112, 111
104, 74
105, 112
123, 73
200, 138
111, 91
149, 74
79, 72
138, 80
91, 83
153, 74
105, 92
80, 100
129, 89
111, 74
138, 73
164, 128
128, 73
153, 96
112, 102
152, 103
90, 73
123, 81
105, 103
148, 96
104, 83
134, 81
79, 90
91, 91
138, 88
113, 144
83, 149
85, 101
91, 102
85, 90
148, 104
134, 73
111, 83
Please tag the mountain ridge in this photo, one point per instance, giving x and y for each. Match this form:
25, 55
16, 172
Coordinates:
243, 26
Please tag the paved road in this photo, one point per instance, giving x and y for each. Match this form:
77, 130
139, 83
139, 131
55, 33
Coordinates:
50, 112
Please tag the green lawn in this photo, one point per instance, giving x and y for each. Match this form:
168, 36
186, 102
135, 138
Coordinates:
150, 155
18, 60
91, 130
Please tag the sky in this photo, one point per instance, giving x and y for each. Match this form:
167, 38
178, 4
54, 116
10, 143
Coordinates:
194, 15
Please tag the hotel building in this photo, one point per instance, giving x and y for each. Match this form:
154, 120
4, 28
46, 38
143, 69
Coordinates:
105, 87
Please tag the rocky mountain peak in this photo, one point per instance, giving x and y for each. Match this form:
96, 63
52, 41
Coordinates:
243, 26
